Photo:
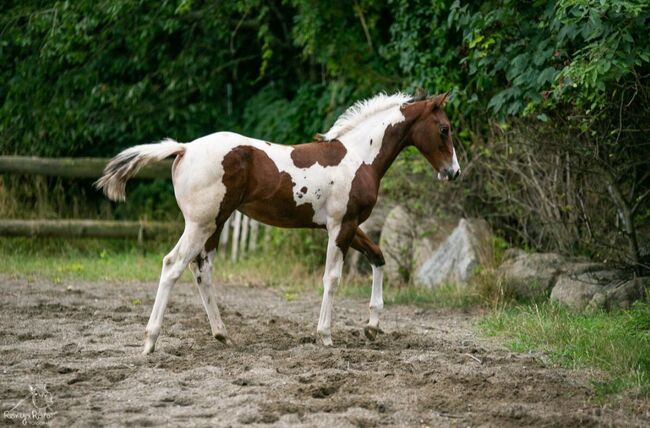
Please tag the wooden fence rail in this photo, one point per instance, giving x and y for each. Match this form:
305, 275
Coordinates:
73, 167
242, 238
89, 228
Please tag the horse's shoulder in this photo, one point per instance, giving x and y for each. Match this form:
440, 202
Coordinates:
365, 186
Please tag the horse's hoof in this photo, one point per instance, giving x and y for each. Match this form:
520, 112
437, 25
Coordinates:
223, 338
148, 348
326, 339
371, 332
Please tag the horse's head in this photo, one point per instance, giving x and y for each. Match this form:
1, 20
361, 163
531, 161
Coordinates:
431, 135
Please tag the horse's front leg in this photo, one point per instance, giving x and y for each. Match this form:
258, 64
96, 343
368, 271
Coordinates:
339, 239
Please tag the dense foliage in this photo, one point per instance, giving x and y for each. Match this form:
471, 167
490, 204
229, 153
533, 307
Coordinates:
550, 98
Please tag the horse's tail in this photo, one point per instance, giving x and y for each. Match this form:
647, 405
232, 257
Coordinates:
126, 164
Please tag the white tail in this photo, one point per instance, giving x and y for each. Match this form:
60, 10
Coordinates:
126, 164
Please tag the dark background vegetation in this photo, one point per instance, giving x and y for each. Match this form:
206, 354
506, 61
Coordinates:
550, 100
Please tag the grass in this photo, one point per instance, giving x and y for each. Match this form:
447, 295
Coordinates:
448, 296
118, 260
617, 343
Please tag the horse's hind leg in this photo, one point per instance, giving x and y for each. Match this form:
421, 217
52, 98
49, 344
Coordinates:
188, 247
201, 267
362, 243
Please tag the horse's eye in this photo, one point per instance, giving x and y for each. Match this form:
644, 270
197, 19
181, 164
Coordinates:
444, 131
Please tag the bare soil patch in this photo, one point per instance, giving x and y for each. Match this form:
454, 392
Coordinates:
83, 340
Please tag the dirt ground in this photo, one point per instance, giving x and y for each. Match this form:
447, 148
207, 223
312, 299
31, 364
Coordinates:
81, 343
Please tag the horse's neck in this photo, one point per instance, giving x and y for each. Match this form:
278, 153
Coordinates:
379, 139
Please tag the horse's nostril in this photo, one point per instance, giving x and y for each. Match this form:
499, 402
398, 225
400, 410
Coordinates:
457, 174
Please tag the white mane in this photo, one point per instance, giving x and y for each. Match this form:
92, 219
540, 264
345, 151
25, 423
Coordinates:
362, 110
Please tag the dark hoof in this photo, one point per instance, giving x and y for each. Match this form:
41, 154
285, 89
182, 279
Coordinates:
223, 339
371, 332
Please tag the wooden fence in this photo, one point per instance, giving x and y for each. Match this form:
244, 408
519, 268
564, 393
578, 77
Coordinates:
241, 234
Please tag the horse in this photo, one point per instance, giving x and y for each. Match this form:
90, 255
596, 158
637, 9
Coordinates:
331, 183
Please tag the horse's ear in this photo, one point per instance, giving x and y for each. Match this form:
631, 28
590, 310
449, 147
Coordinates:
440, 100
420, 93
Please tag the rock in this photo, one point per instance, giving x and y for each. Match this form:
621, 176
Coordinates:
429, 236
457, 258
513, 253
397, 244
533, 275
597, 289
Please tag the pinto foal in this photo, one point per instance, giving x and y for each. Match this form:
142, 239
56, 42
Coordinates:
330, 184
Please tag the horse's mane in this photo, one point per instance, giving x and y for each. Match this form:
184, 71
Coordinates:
363, 109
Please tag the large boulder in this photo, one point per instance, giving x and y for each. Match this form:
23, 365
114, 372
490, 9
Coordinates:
584, 287
396, 243
457, 257
531, 276
430, 235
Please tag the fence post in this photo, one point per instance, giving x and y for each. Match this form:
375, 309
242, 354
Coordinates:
255, 227
223, 239
235, 236
243, 240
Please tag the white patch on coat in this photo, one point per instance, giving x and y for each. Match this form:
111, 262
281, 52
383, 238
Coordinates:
455, 166
362, 110
199, 187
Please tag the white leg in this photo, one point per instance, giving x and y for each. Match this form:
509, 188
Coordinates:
202, 270
333, 269
376, 303
174, 263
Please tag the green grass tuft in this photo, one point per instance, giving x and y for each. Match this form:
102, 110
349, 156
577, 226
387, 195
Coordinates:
618, 343
448, 296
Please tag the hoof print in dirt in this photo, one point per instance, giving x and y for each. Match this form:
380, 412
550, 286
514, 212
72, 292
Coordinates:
242, 382
324, 391
307, 339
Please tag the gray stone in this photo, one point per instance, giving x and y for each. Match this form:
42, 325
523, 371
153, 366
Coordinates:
429, 236
397, 244
598, 289
513, 253
457, 258
531, 275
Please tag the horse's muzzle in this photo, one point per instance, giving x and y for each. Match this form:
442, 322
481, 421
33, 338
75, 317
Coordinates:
449, 174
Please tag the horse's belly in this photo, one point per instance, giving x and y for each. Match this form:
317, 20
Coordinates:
281, 213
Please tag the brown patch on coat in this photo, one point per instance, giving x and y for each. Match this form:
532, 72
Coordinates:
256, 187
365, 184
425, 134
362, 199
396, 137
324, 153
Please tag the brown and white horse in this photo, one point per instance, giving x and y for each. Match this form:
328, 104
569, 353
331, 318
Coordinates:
330, 184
